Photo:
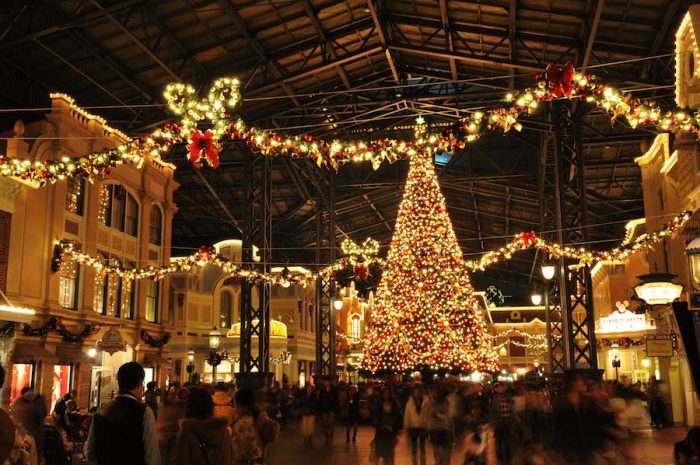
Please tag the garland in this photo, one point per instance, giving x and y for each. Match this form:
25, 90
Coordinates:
67, 252
56, 324
153, 342
527, 240
622, 343
216, 110
8, 330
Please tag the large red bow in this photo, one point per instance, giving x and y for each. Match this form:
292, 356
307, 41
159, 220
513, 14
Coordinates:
560, 80
203, 148
360, 272
528, 238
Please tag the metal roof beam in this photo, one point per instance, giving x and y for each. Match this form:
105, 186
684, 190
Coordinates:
383, 39
324, 39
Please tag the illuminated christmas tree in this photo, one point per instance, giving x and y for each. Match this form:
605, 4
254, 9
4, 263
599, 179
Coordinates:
425, 315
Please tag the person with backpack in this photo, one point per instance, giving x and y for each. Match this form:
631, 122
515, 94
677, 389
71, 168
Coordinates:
253, 431
124, 430
203, 438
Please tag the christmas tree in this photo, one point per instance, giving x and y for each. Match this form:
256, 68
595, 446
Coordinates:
425, 315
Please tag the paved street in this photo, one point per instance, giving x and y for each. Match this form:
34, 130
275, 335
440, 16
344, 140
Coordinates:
651, 448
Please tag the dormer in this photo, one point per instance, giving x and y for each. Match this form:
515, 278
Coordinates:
688, 60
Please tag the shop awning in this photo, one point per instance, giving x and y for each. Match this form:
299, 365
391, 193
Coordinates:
154, 360
72, 354
30, 353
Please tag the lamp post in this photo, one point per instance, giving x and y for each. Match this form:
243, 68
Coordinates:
548, 271
190, 364
658, 288
214, 358
536, 299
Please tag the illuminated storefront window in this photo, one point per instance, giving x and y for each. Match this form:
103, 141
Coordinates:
22, 376
61, 382
355, 329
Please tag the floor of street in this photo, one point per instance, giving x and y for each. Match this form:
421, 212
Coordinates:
651, 447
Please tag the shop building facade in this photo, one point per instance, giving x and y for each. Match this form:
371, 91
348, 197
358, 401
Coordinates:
125, 218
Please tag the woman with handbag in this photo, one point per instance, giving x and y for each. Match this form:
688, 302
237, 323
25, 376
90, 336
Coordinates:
203, 440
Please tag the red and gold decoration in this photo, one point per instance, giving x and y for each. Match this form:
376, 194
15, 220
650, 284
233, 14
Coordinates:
527, 240
56, 324
219, 124
620, 343
424, 314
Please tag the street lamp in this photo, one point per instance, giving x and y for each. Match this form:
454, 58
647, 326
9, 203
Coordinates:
338, 304
548, 271
536, 299
658, 289
190, 364
214, 357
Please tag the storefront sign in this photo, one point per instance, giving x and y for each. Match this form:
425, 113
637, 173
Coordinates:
112, 341
659, 348
622, 320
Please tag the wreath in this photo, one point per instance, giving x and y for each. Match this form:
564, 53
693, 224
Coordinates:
153, 342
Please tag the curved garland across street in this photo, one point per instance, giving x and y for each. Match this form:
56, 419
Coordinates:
215, 115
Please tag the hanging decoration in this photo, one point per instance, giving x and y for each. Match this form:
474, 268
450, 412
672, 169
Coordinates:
216, 111
494, 296
56, 324
527, 240
360, 257
8, 330
621, 343
534, 342
153, 342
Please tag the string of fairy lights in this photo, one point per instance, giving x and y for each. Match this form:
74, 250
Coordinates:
68, 254
216, 112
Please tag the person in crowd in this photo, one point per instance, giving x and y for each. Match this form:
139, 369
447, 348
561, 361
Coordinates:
328, 408
503, 421
657, 407
308, 408
55, 442
687, 451
29, 412
353, 413
223, 403
414, 423
203, 439
387, 422
151, 397
172, 413
17, 446
59, 409
253, 431
127, 419
343, 405
439, 426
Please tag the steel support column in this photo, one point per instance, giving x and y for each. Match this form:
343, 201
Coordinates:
325, 287
577, 322
255, 297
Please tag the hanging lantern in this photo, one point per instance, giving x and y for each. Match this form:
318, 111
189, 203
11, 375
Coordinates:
658, 289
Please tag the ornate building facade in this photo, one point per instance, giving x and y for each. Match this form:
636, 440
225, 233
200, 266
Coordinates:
125, 219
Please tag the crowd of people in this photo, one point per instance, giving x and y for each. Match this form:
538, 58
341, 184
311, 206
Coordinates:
573, 420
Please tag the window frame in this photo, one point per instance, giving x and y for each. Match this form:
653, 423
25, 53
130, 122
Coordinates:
152, 285
76, 288
80, 203
159, 241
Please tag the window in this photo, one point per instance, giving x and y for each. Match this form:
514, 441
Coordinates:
131, 225
128, 295
99, 302
226, 306
75, 195
114, 292
355, 328
152, 300
156, 225
118, 209
68, 285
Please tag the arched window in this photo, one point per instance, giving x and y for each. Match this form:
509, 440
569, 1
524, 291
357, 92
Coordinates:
118, 209
355, 328
225, 309
99, 302
75, 194
156, 225
131, 216
152, 300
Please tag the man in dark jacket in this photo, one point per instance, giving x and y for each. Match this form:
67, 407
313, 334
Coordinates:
328, 407
124, 430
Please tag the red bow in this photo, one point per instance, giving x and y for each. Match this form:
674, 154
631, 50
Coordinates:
361, 272
203, 148
560, 80
528, 238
